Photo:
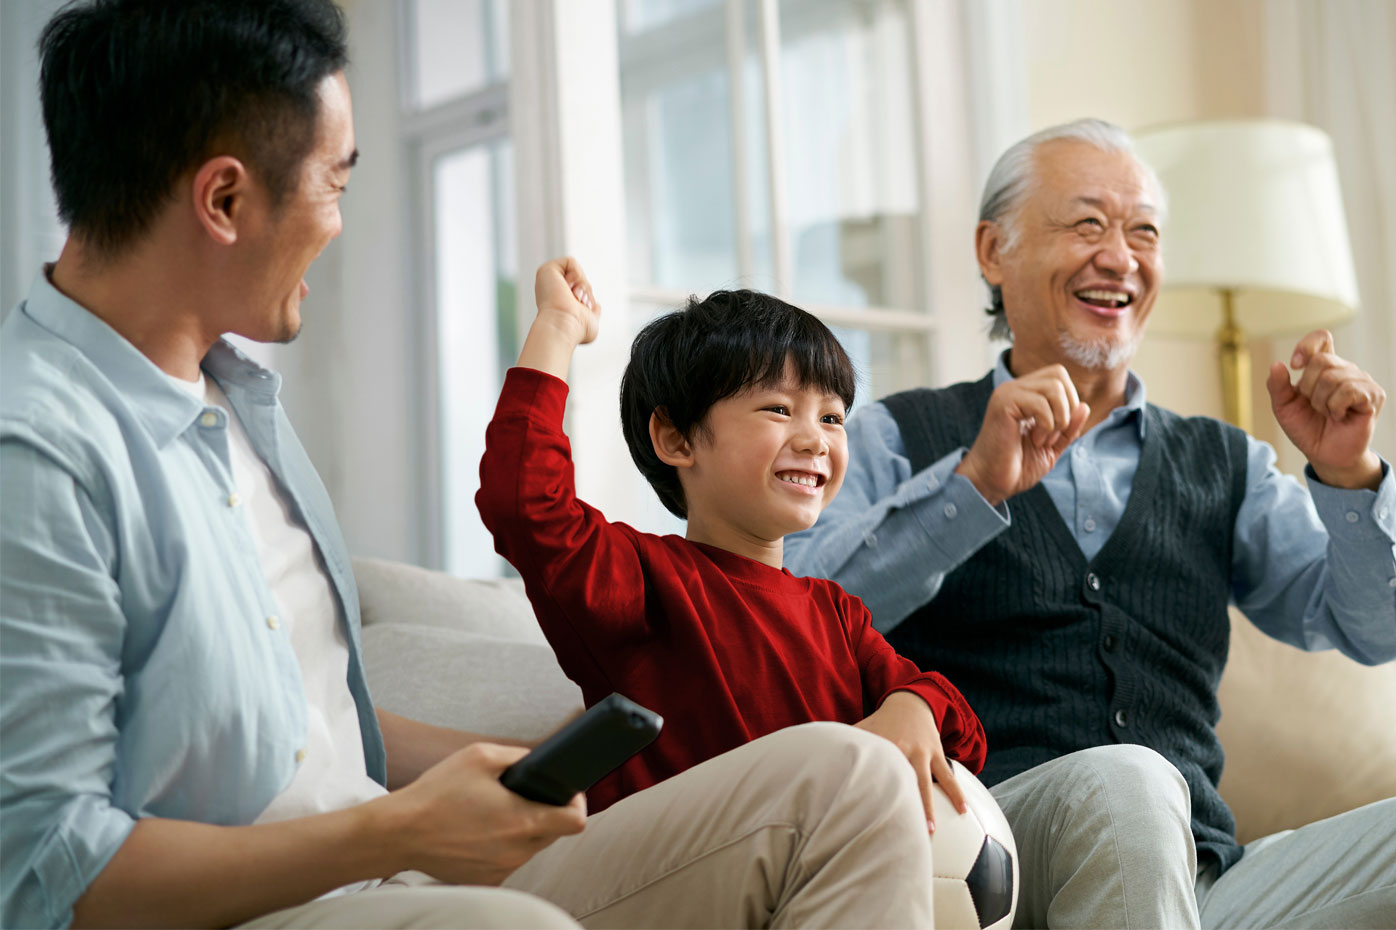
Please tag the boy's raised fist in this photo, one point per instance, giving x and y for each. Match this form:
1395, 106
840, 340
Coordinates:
565, 299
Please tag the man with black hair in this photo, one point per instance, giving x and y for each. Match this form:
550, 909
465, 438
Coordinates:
188, 738
1065, 553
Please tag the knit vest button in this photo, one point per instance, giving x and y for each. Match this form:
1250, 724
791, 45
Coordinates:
1093, 581
1121, 718
1109, 643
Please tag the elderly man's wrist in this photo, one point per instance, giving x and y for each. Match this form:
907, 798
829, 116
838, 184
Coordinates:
1366, 474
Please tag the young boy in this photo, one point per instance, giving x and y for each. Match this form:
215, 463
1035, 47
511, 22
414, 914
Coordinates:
733, 409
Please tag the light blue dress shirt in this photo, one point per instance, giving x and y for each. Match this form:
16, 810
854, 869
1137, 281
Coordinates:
1315, 569
139, 673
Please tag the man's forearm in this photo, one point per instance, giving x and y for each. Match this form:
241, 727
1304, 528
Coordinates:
894, 554
177, 873
414, 746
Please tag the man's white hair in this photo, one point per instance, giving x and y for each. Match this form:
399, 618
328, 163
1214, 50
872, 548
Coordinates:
1012, 176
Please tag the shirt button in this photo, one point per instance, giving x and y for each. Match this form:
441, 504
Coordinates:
1089, 525
274, 622
233, 499
871, 540
951, 511
1121, 718
1093, 581
1391, 583
1352, 516
209, 419
1383, 513
932, 482
300, 756
1109, 643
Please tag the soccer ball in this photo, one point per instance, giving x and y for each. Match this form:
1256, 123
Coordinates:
974, 858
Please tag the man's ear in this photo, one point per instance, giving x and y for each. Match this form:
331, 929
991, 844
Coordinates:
221, 189
669, 444
988, 249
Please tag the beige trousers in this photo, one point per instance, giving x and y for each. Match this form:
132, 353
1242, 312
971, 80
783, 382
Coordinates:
818, 825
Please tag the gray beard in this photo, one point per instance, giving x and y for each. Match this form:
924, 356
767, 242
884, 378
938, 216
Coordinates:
1098, 354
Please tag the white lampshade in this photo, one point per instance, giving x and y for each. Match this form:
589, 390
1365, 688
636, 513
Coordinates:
1254, 207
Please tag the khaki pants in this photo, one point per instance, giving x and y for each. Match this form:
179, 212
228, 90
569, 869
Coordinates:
818, 825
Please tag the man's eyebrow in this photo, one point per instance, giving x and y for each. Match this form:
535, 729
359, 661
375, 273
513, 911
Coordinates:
349, 162
1100, 204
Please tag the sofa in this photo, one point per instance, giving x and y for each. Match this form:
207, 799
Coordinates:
1306, 735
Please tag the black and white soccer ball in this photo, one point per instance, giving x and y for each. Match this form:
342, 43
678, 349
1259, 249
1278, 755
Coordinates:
974, 859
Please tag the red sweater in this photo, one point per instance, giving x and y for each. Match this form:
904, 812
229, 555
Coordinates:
725, 648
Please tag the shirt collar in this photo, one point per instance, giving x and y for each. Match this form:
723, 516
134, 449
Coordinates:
161, 407
1133, 407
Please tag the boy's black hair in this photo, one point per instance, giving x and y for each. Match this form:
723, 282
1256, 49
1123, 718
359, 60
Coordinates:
137, 92
685, 361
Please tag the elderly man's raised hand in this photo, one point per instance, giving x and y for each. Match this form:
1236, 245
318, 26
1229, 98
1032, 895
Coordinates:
1028, 425
1329, 413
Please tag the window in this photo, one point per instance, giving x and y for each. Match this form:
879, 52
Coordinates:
455, 124
773, 145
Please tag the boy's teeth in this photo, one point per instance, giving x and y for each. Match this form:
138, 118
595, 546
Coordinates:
808, 481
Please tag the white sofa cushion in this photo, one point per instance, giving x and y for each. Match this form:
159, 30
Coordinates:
459, 653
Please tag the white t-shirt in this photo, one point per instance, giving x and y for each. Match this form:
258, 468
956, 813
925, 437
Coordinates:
331, 775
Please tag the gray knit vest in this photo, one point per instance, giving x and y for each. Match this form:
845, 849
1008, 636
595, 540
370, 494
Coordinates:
1057, 654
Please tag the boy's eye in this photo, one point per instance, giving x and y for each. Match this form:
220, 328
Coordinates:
780, 409
834, 418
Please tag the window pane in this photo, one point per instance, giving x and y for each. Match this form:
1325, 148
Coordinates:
475, 274
460, 46
639, 15
681, 180
886, 362
850, 169
678, 168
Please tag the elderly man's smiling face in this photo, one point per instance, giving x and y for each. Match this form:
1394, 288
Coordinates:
1079, 261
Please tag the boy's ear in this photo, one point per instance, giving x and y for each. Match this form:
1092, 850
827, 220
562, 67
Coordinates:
669, 444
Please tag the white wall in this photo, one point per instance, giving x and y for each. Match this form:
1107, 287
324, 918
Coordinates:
351, 379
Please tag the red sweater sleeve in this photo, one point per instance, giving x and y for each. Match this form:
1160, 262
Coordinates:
583, 574
884, 671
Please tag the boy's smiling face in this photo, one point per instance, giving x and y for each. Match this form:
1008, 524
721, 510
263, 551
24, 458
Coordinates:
764, 463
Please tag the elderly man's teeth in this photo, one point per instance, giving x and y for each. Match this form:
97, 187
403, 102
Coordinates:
1113, 298
808, 481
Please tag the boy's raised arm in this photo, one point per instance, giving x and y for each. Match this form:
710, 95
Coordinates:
568, 316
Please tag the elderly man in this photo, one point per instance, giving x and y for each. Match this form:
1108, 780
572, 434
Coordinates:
188, 737
1065, 552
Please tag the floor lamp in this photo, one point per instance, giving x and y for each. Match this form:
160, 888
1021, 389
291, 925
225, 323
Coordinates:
1255, 243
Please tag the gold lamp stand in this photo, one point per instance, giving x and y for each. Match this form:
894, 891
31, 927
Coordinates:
1235, 365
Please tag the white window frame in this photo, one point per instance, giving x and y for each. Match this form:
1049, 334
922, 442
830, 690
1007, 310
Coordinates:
478, 118
564, 93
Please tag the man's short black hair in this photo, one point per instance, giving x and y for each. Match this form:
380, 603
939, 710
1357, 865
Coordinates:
685, 361
137, 92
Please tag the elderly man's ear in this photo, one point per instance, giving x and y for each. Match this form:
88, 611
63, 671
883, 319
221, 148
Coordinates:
988, 249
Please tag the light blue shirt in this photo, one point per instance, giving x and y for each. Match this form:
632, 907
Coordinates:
1315, 569
139, 675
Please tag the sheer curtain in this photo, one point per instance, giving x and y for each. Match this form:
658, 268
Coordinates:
1332, 63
